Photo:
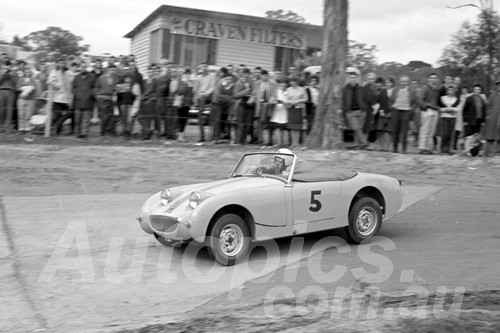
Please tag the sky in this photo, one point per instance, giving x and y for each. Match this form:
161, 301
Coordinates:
402, 30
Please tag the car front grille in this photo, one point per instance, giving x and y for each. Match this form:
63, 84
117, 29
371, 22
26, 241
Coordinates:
163, 223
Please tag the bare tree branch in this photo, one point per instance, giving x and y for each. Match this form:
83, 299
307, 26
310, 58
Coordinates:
466, 5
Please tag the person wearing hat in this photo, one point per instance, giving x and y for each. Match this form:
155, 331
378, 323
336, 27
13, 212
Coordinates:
278, 165
492, 125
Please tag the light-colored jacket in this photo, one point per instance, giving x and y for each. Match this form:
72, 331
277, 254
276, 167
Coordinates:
204, 85
258, 93
61, 86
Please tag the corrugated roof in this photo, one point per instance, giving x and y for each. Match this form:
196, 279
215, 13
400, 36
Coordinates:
208, 14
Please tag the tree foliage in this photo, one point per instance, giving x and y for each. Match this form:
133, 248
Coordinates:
416, 69
416, 64
283, 15
362, 56
54, 39
17, 41
475, 48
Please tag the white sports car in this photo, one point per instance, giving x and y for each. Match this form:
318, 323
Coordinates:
266, 197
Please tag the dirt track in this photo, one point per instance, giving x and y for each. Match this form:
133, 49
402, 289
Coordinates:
79, 168
62, 169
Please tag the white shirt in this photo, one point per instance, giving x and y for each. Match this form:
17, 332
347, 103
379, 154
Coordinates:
314, 95
448, 101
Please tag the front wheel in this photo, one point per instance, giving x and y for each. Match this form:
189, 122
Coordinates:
365, 220
228, 240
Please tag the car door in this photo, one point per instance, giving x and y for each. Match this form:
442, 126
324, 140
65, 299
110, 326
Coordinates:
315, 201
269, 207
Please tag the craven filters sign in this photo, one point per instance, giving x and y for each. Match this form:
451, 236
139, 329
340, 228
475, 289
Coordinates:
218, 30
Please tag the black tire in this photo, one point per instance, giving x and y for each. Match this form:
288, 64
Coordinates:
365, 220
228, 240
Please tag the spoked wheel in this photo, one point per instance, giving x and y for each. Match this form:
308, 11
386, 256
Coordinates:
228, 240
365, 220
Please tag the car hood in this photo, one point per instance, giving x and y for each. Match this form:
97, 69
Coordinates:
230, 185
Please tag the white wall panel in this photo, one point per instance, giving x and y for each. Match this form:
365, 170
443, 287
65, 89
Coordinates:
141, 42
250, 54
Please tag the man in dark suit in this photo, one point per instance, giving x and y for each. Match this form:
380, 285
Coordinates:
164, 103
265, 98
354, 110
148, 102
242, 92
83, 91
474, 112
105, 87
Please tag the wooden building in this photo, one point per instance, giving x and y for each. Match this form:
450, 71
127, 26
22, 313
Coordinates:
188, 36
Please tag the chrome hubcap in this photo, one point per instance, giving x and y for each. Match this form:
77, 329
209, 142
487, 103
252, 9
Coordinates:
231, 240
366, 221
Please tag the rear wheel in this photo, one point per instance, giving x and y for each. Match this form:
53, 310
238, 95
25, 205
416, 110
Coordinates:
365, 220
228, 240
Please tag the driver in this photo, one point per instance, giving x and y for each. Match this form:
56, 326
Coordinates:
279, 165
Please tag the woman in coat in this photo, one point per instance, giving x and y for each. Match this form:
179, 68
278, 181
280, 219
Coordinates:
492, 126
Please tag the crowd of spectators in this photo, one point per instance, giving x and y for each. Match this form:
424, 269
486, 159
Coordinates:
444, 117
239, 105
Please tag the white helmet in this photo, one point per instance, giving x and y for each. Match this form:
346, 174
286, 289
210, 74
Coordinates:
284, 151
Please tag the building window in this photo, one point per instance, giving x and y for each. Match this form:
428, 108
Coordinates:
285, 58
177, 42
182, 50
211, 51
159, 45
278, 59
154, 46
165, 45
190, 51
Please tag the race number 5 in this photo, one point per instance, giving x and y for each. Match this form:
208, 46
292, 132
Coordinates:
315, 203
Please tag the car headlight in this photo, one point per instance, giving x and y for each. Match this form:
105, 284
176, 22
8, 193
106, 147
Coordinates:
165, 196
194, 199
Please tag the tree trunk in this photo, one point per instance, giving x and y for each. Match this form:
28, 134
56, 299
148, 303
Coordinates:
325, 132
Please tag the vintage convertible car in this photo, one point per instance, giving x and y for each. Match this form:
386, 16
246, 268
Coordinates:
268, 196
